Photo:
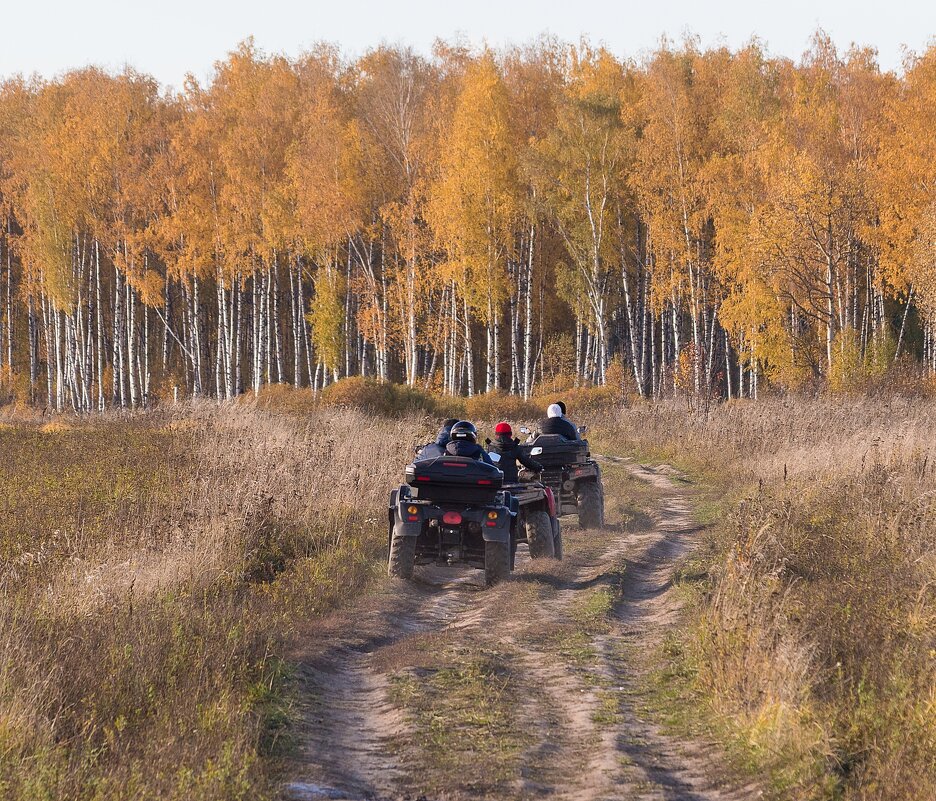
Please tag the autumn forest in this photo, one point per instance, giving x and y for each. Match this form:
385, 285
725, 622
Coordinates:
701, 221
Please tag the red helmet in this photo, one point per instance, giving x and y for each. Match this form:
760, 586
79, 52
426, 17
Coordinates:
503, 428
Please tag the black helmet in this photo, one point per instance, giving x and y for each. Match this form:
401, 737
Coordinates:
562, 406
464, 431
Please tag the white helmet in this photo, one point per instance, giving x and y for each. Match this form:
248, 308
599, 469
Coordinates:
554, 410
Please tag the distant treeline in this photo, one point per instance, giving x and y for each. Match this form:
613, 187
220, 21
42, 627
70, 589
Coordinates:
693, 221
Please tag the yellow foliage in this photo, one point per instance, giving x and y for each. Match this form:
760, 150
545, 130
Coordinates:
853, 370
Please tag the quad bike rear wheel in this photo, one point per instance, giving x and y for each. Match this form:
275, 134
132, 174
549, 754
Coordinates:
402, 558
540, 535
496, 562
590, 501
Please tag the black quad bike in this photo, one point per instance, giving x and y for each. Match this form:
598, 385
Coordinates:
572, 475
455, 510
450, 510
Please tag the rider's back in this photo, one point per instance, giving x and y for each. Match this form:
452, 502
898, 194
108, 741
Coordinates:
558, 425
470, 450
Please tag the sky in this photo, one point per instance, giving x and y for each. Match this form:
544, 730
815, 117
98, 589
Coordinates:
169, 38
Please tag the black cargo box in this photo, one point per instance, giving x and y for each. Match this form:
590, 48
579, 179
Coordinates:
454, 479
557, 450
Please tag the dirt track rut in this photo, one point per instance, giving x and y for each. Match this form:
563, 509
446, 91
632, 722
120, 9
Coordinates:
439, 689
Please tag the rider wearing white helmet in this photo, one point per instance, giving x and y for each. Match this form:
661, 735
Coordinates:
556, 423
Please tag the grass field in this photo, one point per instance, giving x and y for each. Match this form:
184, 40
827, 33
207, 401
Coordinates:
811, 640
152, 570
155, 568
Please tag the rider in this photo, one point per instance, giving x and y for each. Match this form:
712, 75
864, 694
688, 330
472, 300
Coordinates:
556, 423
437, 448
510, 453
464, 442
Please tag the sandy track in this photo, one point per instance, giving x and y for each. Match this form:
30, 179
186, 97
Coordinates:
585, 735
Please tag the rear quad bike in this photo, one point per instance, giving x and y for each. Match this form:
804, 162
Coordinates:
452, 510
572, 475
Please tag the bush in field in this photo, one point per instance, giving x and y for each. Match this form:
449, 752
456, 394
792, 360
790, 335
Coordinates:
498, 405
387, 398
857, 372
283, 398
579, 400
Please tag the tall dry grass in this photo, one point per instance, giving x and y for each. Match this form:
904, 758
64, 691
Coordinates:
151, 570
813, 641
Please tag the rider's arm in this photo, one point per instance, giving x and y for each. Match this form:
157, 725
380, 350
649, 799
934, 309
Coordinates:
529, 462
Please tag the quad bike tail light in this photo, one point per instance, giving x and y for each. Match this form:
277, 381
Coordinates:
492, 515
452, 518
412, 510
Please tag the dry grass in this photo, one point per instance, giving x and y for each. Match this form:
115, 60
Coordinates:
152, 568
814, 638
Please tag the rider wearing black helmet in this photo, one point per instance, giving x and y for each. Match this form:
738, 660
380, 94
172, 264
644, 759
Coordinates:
464, 442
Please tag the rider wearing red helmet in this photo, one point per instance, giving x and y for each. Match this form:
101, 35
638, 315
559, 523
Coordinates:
509, 449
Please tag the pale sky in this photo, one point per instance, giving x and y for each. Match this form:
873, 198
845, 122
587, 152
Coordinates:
168, 38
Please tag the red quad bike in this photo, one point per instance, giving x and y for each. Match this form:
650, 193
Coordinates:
572, 475
455, 510
538, 517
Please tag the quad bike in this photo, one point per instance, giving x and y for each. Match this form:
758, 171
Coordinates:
572, 475
455, 510
450, 510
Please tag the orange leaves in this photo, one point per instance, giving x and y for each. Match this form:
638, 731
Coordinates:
474, 203
905, 181
740, 203
324, 166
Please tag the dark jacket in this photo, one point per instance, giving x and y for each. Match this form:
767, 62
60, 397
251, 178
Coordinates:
510, 454
437, 448
471, 450
559, 425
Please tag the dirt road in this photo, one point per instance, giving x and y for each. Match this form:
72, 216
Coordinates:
440, 689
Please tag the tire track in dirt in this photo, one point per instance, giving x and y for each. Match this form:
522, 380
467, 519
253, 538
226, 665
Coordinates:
588, 737
661, 767
348, 721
